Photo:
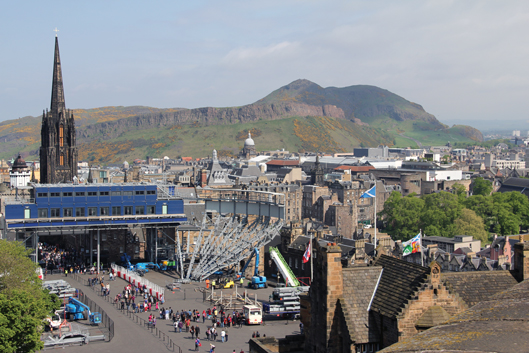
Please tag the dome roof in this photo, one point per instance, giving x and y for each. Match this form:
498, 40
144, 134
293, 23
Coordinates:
19, 164
249, 141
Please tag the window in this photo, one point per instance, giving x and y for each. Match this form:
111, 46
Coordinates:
116, 210
164, 209
121, 249
104, 211
80, 193
61, 137
116, 193
103, 174
55, 194
55, 212
61, 159
27, 213
43, 213
140, 210
79, 212
137, 249
92, 193
92, 211
151, 192
127, 193
67, 194
103, 193
104, 237
151, 209
42, 194
128, 210
140, 192
67, 212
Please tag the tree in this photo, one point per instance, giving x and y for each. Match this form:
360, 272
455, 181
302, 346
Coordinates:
469, 223
481, 186
403, 215
440, 211
23, 303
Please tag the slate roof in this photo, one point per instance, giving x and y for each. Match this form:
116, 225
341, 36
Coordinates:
359, 284
399, 281
498, 324
474, 287
434, 316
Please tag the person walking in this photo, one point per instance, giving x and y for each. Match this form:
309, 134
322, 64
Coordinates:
197, 344
211, 348
192, 330
197, 331
226, 334
222, 335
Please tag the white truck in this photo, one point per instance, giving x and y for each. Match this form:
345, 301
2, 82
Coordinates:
253, 314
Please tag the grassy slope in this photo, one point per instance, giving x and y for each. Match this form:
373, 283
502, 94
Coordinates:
294, 134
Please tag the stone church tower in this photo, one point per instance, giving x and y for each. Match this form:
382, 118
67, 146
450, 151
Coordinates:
58, 153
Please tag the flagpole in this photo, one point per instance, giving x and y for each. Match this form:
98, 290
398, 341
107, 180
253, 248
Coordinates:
375, 215
420, 244
311, 268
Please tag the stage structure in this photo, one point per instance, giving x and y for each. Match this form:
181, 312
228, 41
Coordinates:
234, 223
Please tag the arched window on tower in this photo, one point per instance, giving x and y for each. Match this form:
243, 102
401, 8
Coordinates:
61, 136
61, 161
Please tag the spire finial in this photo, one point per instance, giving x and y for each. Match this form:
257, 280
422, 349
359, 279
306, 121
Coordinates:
56, 31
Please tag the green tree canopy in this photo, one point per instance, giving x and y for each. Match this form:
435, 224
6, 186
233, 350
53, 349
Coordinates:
481, 186
23, 303
469, 223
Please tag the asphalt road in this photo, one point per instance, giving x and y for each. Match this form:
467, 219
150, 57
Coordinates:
132, 337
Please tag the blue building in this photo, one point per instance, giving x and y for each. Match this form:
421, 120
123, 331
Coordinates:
58, 205
78, 214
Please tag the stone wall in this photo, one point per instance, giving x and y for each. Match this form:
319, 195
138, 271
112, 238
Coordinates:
432, 292
326, 290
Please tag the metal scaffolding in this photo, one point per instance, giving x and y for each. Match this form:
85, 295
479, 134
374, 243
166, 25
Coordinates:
223, 242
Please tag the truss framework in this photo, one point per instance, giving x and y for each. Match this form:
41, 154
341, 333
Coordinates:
223, 243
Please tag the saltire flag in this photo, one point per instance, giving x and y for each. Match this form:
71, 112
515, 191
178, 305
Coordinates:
369, 193
412, 246
306, 255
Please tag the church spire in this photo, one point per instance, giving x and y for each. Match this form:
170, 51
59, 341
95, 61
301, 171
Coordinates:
57, 89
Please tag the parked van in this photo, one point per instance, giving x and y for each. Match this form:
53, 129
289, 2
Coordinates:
253, 314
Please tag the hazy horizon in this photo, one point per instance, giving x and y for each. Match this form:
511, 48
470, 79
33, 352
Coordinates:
464, 62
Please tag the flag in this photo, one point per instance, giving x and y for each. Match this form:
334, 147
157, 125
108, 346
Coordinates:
369, 193
306, 255
412, 246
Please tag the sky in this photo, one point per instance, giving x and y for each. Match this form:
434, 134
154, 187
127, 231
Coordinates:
463, 61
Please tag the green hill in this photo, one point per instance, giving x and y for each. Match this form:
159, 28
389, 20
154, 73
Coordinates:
299, 116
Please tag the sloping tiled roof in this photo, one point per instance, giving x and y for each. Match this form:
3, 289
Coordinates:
476, 286
284, 162
399, 281
356, 168
498, 324
359, 283
434, 316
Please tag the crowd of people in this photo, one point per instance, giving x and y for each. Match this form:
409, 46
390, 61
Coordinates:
53, 258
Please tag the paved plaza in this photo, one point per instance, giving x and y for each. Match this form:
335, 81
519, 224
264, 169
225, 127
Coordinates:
132, 337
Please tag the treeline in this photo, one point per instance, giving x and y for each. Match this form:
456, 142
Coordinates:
448, 214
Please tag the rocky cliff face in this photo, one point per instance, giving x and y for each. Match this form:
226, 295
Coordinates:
211, 116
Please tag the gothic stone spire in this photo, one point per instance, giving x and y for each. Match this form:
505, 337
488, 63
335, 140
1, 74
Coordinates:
57, 90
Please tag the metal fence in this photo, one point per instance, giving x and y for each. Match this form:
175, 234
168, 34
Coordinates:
106, 322
164, 337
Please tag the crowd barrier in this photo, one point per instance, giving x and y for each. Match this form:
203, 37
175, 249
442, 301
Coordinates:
136, 280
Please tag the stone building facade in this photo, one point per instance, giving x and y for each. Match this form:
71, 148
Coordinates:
58, 151
366, 307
